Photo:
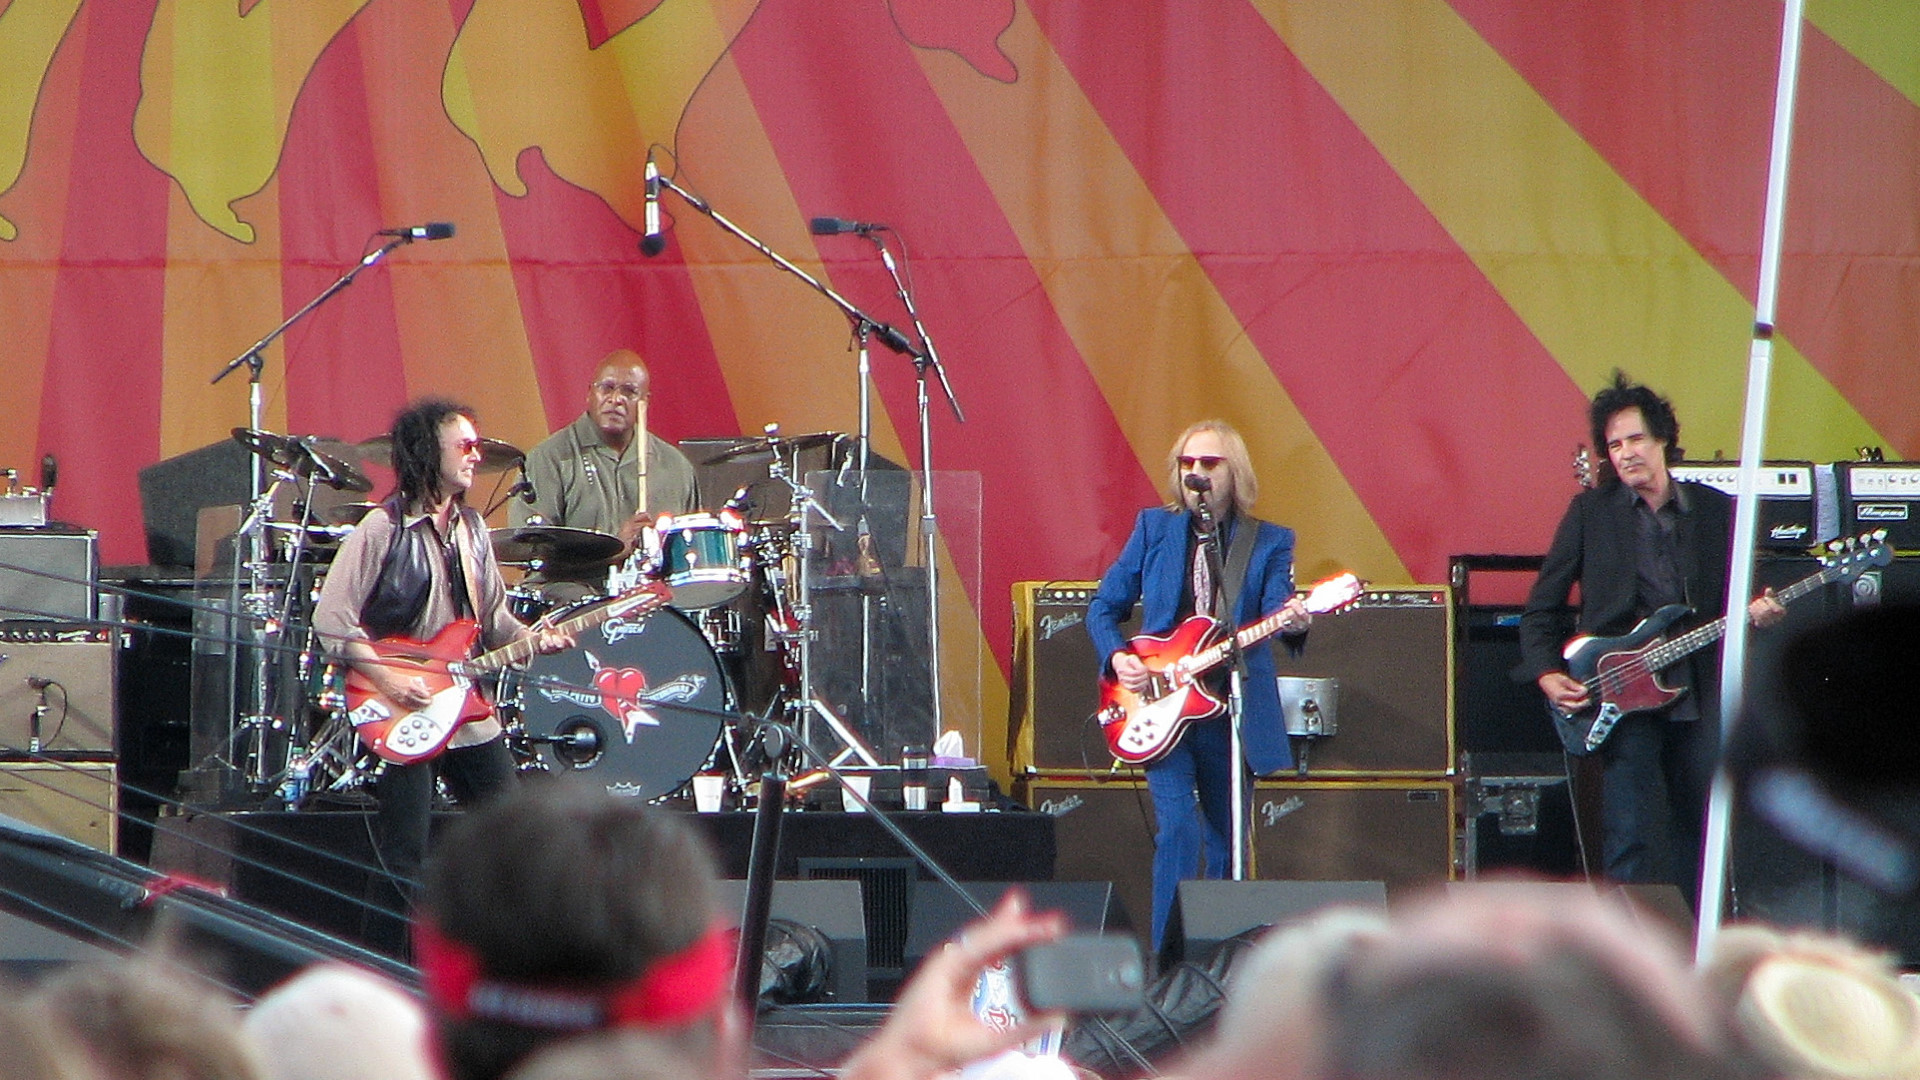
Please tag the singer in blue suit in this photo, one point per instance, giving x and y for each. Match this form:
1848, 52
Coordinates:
1163, 569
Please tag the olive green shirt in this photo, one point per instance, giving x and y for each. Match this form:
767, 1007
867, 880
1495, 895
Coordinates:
580, 483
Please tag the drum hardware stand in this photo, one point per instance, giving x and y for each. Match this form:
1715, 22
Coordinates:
255, 528
801, 502
864, 326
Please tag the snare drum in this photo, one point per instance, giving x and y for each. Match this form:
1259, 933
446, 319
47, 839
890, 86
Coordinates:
637, 704
700, 558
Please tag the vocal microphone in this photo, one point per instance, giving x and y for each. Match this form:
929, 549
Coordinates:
653, 242
1196, 482
524, 489
38, 683
432, 230
833, 226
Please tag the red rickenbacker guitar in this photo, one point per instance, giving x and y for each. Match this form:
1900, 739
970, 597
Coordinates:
406, 737
1142, 727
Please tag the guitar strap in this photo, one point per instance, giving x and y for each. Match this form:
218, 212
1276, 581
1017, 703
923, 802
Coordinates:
1239, 555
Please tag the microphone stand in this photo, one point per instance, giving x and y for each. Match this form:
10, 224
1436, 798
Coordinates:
864, 326
1236, 668
929, 526
258, 600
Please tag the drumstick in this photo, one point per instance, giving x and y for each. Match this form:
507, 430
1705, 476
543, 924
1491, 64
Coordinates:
640, 450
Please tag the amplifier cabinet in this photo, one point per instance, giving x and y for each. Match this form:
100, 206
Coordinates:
50, 573
1881, 495
77, 663
1392, 830
1392, 654
1055, 680
79, 800
1796, 503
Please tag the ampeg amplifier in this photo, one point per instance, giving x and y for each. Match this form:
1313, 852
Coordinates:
1796, 502
63, 673
1881, 495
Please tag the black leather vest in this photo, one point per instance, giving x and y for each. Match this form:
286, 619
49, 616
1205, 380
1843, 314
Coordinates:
399, 594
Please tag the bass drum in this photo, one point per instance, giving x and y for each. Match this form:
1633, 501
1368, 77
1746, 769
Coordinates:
637, 707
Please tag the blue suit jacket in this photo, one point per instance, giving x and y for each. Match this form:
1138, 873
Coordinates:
1152, 571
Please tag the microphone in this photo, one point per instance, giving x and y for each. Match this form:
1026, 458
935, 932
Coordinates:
49, 472
39, 711
524, 489
38, 683
833, 226
432, 230
653, 243
737, 504
1196, 482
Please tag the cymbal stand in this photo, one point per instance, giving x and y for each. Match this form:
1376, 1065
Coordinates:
254, 357
927, 358
799, 634
265, 625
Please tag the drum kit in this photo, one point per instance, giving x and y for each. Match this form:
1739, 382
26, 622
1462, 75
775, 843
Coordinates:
643, 705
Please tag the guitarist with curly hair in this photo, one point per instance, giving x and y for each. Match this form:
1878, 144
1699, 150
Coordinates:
414, 567
1636, 543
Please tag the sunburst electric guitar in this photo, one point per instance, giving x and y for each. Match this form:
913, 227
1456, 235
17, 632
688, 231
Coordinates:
1622, 674
1142, 727
404, 735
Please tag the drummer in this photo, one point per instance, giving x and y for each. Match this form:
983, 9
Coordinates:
587, 475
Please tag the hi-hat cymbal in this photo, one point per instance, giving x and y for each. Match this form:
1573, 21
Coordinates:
554, 543
495, 455
754, 451
306, 455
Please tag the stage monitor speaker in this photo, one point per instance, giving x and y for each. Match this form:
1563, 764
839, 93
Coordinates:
49, 573
1397, 832
1392, 654
831, 907
1205, 913
938, 913
79, 800
77, 664
1056, 680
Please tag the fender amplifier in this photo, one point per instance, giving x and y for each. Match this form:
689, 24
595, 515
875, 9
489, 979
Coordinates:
1056, 680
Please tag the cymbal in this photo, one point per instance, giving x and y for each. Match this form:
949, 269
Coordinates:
754, 451
317, 533
554, 543
348, 513
306, 455
495, 454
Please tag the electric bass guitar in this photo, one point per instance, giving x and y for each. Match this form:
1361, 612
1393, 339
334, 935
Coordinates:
1622, 674
1143, 727
404, 735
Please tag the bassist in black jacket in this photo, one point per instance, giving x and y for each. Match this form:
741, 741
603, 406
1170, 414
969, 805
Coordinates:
1637, 541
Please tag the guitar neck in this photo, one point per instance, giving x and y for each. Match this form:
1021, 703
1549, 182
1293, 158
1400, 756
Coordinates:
522, 650
1707, 633
1249, 635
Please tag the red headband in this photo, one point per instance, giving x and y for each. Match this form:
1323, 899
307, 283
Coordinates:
673, 990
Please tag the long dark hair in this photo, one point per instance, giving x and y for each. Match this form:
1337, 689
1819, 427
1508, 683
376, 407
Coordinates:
416, 450
1620, 395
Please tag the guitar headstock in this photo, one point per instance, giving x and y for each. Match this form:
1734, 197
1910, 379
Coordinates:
1583, 473
1849, 558
638, 600
1336, 593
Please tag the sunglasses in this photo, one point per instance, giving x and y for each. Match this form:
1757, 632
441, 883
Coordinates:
469, 446
1206, 462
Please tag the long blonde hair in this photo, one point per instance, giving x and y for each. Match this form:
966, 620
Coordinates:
1246, 486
